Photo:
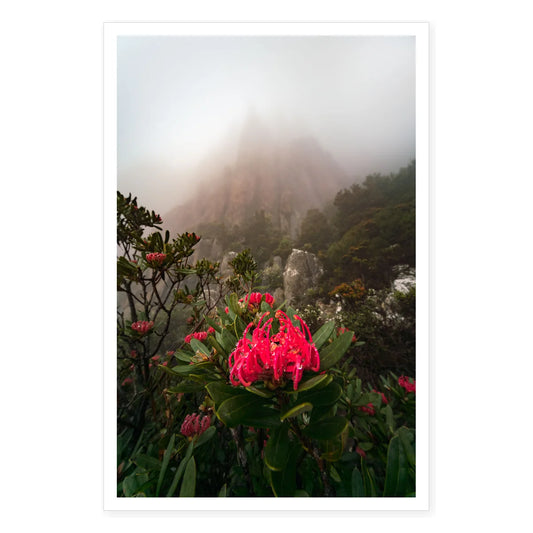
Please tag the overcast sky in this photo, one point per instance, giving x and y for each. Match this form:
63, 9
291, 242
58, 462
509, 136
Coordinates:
182, 98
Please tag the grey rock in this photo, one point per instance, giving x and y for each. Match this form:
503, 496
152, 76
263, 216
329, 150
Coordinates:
302, 272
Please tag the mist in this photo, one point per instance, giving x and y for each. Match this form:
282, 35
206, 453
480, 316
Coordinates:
182, 103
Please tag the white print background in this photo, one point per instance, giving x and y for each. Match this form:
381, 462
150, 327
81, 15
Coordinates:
481, 115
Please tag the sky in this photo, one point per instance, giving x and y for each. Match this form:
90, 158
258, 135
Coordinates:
182, 99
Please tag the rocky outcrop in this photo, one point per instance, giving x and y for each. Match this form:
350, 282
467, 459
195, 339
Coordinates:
405, 278
302, 273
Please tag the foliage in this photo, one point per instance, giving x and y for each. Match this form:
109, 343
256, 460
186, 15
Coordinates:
246, 400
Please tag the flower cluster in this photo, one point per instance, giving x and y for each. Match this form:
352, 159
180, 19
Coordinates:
273, 358
407, 384
156, 259
199, 335
254, 300
142, 327
195, 425
368, 408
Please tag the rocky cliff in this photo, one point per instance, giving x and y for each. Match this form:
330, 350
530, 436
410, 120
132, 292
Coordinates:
283, 178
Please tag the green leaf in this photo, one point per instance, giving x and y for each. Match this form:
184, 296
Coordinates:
323, 334
180, 470
186, 386
205, 436
259, 391
216, 345
233, 304
226, 340
323, 396
333, 353
164, 464
223, 491
397, 481
369, 397
188, 485
147, 462
334, 474
183, 356
277, 448
295, 411
407, 439
220, 391
215, 325
202, 368
283, 482
327, 428
369, 482
199, 346
358, 489
389, 418
321, 379
247, 410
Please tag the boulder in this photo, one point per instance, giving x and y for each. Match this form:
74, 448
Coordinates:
302, 273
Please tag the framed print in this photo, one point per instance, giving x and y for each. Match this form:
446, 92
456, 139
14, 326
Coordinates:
266, 204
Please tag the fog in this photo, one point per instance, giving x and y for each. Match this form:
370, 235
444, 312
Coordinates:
182, 101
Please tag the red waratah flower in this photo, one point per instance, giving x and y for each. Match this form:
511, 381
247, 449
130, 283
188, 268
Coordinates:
274, 358
226, 310
406, 383
142, 327
361, 452
210, 330
255, 298
194, 425
199, 335
383, 397
127, 381
156, 259
368, 408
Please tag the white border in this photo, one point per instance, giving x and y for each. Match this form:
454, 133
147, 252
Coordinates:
420, 30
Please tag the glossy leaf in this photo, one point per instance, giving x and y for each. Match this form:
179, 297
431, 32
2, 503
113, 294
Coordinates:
323, 396
221, 391
164, 463
188, 485
358, 489
147, 462
333, 353
215, 325
199, 346
186, 386
298, 409
407, 440
208, 434
327, 428
315, 381
226, 340
180, 470
247, 410
283, 483
260, 391
277, 448
369, 482
397, 472
323, 334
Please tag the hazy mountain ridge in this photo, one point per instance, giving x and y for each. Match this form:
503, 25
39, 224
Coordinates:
282, 177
